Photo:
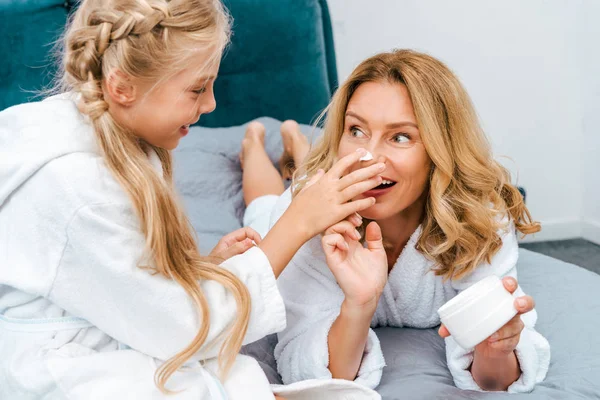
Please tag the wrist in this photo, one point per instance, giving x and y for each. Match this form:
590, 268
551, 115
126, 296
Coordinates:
482, 355
358, 311
302, 229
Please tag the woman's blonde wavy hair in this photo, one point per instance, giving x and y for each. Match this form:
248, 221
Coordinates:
151, 39
469, 193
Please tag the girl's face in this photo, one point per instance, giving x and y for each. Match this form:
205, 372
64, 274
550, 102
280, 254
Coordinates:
380, 118
163, 114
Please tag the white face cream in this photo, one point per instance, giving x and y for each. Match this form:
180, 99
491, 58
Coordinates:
477, 312
366, 157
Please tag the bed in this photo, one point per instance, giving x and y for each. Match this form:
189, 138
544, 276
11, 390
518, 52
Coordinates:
281, 65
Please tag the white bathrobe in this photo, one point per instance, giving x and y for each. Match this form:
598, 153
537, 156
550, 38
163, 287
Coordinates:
410, 298
78, 318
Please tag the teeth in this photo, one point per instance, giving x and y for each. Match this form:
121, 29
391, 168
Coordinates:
386, 182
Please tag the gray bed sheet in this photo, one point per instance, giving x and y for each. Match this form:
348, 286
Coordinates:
208, 176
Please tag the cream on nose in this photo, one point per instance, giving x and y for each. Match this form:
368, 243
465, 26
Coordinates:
366, 157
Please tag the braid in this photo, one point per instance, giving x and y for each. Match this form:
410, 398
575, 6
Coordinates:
149, 39
90, 43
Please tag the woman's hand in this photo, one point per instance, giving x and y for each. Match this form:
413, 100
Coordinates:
326, 200
236, 242
494, 359
361, 272
504, 341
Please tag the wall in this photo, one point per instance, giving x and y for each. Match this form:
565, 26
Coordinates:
521, 62
590, 62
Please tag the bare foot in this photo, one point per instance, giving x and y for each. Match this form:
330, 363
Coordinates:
255, 135
295, 148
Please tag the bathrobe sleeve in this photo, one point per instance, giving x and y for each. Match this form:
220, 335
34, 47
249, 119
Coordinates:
533, 350
99, 279
313, 300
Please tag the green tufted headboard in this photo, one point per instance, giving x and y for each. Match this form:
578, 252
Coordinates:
281, 61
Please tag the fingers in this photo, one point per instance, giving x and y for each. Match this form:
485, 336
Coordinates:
505, 345
344, 227
237, 248
355, 219
359, 188
373, 237
443, 331
524, 304
252, 234
361, 174
356, 206
334, 241
239, 235
510, 283
513, 327
340, 167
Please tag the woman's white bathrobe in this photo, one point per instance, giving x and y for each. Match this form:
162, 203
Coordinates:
410, 298
78, 318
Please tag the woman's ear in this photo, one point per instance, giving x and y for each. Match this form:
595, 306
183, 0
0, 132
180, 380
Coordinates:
120, 88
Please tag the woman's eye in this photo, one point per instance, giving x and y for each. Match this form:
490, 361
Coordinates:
355, 132
199, 91
401, 138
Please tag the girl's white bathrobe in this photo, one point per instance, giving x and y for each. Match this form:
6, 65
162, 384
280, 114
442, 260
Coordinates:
78, 318
410, 298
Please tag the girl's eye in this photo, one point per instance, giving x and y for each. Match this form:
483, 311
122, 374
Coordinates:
200, 91
356, 132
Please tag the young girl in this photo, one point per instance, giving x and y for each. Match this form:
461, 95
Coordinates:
103, 293
445, 217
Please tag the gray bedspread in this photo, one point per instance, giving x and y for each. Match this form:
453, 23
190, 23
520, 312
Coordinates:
208, 175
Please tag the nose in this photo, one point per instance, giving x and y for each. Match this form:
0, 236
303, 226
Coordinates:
377, 157
208, 105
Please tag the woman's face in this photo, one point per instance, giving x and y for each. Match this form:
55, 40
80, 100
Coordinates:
380, 118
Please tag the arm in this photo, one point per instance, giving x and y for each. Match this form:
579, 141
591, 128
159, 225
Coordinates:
347, 340
294, 234
361, 273
313, 302
518, 357
98, 278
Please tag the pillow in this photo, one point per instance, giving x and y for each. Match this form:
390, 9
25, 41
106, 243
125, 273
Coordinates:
208, 175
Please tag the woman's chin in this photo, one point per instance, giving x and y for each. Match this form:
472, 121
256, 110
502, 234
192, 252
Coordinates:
374, 213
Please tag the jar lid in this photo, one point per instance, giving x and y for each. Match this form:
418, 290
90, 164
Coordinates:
469, 295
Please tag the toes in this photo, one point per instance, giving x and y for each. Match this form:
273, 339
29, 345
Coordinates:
255, 130
290, 126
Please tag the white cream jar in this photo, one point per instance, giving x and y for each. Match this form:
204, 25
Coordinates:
477, 312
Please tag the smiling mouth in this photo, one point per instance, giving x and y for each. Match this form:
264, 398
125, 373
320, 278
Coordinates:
385, 184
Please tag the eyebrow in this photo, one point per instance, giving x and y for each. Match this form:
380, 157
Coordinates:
393, 125
204, 79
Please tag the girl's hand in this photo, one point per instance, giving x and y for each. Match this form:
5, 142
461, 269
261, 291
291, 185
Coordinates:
504, 341
236, 242
361, 272
326, 200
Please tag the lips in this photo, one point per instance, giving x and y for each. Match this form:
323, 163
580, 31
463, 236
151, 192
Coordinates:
184, 130
385, 186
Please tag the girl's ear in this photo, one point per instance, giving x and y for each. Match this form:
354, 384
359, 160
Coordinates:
120, 88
